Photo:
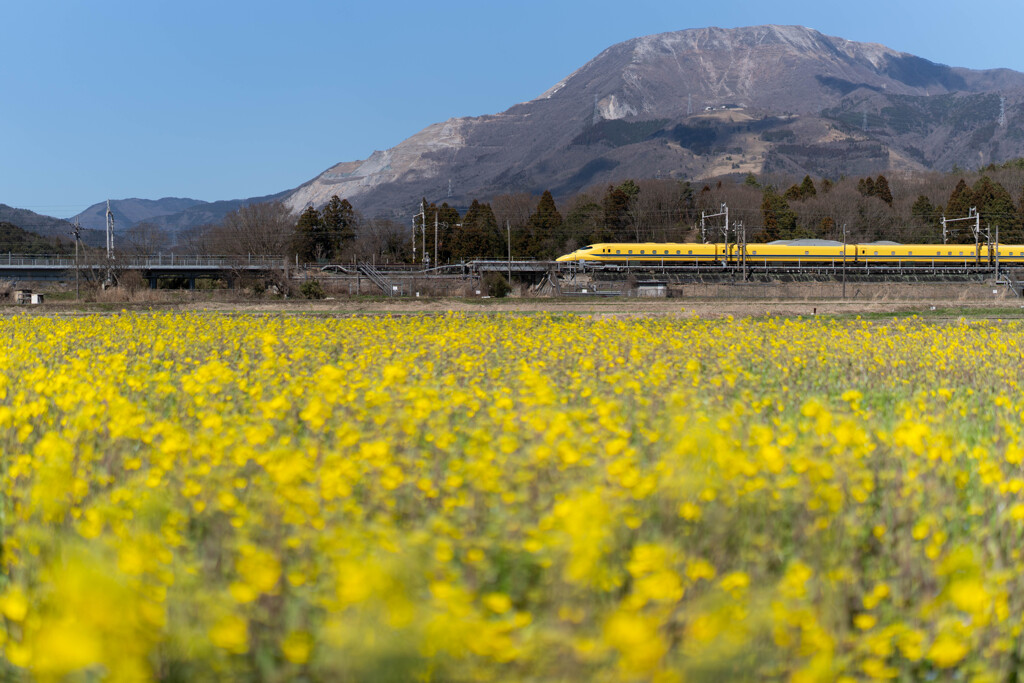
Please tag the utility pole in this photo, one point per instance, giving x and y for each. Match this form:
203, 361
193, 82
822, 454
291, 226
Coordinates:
508, 229
972, 215
723, 211
741, 235
423, 237
997, 251
436, 262
422, 215
77, 232
844, 261
110, 232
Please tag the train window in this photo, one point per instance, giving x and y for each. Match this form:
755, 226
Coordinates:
876, 253
807, 253
938, 253
754, 253
894, 253
690, 252
910, 253
961, 253
618, 251
641, 251
949, 254
679, 251
630, 251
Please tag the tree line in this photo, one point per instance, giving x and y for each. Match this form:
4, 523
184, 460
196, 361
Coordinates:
904, 207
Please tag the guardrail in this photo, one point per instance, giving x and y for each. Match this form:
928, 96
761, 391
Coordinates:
157, 260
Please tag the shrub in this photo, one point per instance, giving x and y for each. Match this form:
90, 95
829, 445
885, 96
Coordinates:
496, 285
312, 290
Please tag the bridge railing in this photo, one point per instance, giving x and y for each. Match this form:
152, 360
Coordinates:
147, 261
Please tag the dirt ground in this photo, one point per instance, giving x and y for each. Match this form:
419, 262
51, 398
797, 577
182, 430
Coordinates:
936, 300
618, 307
630, 307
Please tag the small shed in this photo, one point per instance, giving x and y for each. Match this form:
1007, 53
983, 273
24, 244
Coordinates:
22, 296
36, 298
652, 290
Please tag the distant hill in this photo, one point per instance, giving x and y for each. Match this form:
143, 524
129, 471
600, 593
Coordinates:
171, 213
128, 212
209, 212
48, 226
17, 241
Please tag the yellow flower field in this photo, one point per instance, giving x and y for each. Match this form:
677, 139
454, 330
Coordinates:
472, 497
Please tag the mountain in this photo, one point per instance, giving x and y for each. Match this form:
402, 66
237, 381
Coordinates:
174, 214
700, 103
128, 212
15, 240
208, 212
48, 226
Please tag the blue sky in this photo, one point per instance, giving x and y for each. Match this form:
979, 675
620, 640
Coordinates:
223, 99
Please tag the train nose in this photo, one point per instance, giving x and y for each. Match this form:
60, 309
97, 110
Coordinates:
567, 257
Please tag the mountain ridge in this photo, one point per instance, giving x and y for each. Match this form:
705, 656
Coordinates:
788, 74
688, 104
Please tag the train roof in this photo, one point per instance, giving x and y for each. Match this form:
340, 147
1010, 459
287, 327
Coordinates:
825, 243
807, 243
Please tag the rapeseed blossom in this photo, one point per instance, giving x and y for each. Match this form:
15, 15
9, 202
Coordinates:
500, 498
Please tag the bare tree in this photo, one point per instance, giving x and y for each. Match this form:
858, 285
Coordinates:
197, 240
146, 238
264, 229
516, 209
382, 240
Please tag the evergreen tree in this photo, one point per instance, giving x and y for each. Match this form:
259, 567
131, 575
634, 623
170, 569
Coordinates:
751, 180
996, 207
793, 193
807, 189
779, 220
826, 185
1018, 236
448, 220
632, 189
543, 236
616, 211
866, 186
961, 199
479, 236
585, 225
339, 225
310, 243
927, 219
882, 189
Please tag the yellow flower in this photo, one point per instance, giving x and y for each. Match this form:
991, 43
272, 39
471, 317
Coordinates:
231, 633
297, 647
947, 651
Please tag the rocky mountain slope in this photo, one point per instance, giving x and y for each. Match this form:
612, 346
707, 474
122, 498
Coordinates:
688, 104
699, 103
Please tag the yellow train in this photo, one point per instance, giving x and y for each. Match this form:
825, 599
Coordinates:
689, 253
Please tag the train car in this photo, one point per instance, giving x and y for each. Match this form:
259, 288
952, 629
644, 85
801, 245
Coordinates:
794, 253
791, 254
639, 253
